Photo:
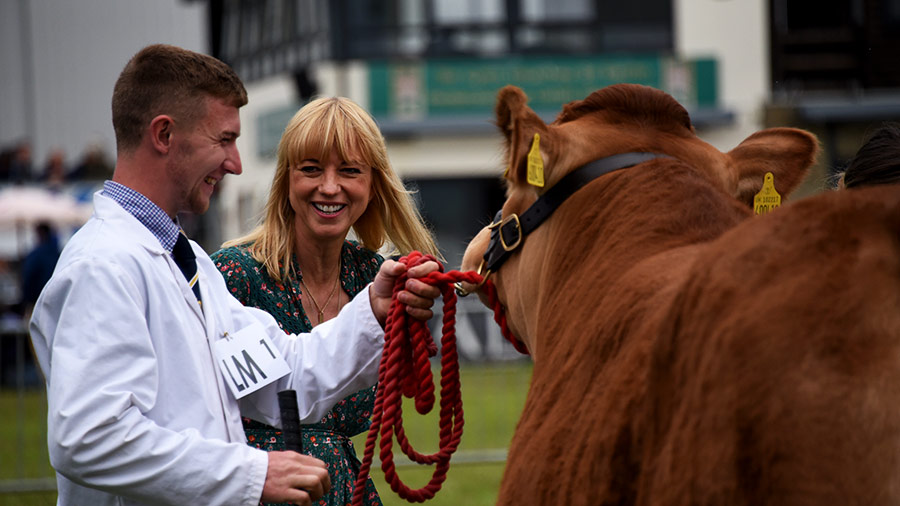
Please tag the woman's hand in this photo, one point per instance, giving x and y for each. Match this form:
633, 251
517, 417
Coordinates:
417, 295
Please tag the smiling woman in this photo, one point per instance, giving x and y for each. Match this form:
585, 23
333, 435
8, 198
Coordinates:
329, 196
332, 175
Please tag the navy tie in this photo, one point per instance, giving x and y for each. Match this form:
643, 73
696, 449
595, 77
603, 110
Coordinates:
187, 262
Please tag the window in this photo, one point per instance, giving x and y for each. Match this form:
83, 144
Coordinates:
834, 45
262, 37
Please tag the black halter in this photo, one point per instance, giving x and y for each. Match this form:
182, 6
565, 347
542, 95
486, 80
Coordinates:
507, 235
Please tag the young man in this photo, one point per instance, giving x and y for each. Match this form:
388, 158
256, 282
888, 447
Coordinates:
148, 358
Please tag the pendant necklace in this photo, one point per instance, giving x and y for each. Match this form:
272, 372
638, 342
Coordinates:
321, 309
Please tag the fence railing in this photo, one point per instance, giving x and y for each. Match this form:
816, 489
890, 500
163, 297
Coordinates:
24, 465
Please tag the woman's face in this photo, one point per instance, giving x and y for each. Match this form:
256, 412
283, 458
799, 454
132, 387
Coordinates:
328, 196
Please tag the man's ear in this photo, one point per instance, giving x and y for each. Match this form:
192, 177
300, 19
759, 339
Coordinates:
161, 129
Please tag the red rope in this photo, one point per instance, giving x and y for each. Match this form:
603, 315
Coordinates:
405, 369
499, 316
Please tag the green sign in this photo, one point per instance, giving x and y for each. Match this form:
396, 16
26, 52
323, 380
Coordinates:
271, 125
417, 90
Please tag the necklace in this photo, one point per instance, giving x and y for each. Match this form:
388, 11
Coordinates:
321, 309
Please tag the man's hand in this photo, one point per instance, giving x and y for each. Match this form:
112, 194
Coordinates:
295, 478
417, 295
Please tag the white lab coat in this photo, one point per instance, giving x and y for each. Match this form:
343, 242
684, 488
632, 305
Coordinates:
138, 411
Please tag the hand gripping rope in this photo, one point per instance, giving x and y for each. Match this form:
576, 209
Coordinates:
405, 369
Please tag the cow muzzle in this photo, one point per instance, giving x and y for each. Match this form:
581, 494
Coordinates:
506, 236
483, 270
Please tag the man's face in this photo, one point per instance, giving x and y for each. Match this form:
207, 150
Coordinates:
203, 153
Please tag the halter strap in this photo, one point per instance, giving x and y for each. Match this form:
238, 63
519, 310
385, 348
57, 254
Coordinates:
508, 234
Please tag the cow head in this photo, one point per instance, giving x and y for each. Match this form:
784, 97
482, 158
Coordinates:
619, 119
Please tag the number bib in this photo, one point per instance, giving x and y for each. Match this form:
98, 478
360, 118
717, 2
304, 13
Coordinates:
248, 360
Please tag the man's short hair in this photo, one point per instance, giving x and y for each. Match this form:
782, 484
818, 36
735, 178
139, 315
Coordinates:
164, 79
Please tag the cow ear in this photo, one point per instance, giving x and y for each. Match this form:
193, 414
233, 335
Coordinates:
787, 153
518, 123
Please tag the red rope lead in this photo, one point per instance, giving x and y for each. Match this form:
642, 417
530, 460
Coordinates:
499, 316
405, 369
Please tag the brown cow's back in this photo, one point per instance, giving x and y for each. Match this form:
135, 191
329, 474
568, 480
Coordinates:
790, 394
763, 350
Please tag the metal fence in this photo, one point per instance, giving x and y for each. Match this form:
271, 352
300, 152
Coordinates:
25, 473
26, 477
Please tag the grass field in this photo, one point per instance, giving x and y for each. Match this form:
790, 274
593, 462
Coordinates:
493, 396
23, 428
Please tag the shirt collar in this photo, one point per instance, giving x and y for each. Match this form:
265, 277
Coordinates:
149, 214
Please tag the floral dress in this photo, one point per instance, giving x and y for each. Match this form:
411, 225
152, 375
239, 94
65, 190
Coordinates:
329, 439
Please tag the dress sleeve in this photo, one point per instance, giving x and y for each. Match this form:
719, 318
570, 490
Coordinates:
232, 265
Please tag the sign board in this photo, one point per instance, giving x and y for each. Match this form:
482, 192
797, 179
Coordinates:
428, 88
419, 90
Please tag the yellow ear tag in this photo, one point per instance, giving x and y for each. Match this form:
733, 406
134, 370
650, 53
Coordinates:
767, 199
536, 163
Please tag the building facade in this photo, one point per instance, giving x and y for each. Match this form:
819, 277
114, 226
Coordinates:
429, 70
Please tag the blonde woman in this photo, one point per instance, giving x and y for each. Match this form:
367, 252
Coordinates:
332, 174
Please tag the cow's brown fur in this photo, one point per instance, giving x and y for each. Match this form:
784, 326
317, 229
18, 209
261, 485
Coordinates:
684, 351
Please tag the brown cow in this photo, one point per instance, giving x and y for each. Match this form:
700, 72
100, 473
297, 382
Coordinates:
686, 352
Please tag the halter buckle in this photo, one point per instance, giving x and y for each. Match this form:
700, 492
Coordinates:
517, 229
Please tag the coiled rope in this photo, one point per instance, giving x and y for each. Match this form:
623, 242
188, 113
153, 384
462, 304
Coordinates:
405, 369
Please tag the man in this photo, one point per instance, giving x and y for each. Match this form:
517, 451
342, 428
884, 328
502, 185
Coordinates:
38, 264
148, 362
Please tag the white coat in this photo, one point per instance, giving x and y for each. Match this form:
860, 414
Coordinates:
138, 412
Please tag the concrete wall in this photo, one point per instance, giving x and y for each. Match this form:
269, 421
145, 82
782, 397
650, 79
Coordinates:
735, 33
60, 59
16, 124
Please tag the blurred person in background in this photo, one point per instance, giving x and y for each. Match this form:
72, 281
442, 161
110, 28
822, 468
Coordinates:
54, 174
93, 166
38, 265
876, 162
332, 175
15, 164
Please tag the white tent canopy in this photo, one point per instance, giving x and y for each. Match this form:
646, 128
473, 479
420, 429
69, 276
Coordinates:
23, 207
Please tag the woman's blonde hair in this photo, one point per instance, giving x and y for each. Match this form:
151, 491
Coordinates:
317, 128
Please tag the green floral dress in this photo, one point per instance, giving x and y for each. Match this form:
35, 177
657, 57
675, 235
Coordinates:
328, 440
